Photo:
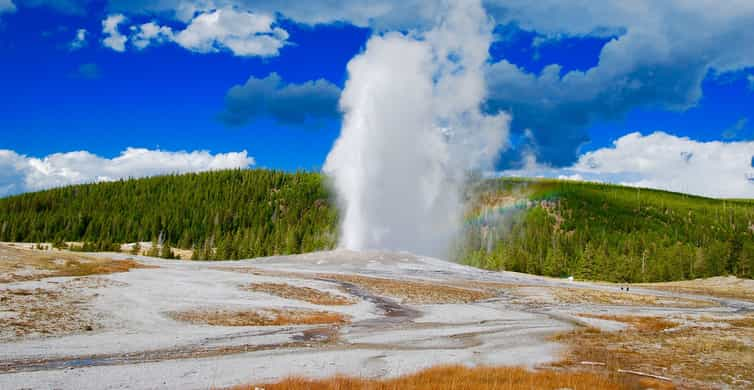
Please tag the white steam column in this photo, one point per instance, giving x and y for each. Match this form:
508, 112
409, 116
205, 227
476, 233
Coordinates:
412, 129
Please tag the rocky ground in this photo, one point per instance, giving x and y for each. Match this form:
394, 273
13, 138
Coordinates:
122, 321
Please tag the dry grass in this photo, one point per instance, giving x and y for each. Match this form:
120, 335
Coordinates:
586, 296
307, 294
265, 317
693, 354
18, 265
641, 323
459, 378
60, 310
264, 272
414, 292
721, 287
408, 291
36, 312
744, 322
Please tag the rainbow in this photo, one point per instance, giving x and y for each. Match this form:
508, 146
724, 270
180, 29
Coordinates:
487, 215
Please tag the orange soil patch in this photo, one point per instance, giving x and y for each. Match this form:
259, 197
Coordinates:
693, 354
458, 378
414, 292
266, 317
307, 294
18, 265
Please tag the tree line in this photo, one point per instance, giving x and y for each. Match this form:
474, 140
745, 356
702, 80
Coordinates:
229, 214
607, 232
557, 228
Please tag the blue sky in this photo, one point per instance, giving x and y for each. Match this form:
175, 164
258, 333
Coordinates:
164, 97
174, 94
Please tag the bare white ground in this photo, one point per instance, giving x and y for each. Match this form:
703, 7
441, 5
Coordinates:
138, 344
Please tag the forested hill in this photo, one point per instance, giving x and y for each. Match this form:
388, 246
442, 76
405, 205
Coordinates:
606, 232
547, 227
224, 215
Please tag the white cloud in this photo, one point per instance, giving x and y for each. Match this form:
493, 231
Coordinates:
240, 32
380, 14
113, 38
19, 173
7, 6
149, 33
79, 41
243, 33
664, 161
660, 55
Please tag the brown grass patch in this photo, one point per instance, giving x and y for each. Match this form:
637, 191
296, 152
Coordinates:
311, 295
587, 296
414, 292
409, 291
744, 322
458, 378
266, 317
641, 323
694, 355
18, 265
602, 297
48, 312
721, 287
264, 272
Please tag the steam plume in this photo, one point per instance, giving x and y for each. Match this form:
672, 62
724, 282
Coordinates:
412, 130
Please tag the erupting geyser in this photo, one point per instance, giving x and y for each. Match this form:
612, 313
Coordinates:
412, 130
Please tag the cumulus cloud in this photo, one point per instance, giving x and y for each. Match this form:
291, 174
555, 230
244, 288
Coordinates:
79, 41
659, 56
379, 14
113, 38
7, 6
19, 173
663, 161
243, 33
149, 33
286, 103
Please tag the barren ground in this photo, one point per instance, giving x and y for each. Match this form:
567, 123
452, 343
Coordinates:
119, 321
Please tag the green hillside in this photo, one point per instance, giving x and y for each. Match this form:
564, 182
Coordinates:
224, 215
546, 227
606, 232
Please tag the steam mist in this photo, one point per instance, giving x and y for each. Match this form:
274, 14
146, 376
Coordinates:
412, 130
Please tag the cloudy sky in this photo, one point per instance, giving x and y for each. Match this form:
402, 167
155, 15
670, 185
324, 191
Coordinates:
657, 94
